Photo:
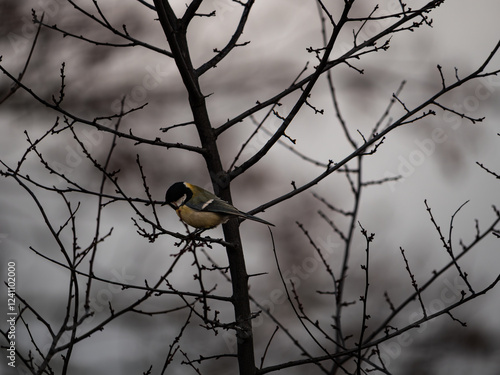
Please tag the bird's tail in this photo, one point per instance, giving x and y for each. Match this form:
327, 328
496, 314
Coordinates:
255, 218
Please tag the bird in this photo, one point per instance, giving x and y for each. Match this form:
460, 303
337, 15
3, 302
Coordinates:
201, 209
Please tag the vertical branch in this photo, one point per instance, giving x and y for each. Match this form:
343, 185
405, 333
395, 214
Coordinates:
448, 244
175, 31
73, 292
99, 211
292, 305
267, 347
329, 78
364, 297
414, 283
349, 239
199, 278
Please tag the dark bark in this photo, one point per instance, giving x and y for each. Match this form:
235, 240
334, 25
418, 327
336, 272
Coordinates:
175, 30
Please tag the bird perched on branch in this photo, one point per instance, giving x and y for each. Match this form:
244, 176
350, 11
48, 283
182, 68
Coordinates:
200, 208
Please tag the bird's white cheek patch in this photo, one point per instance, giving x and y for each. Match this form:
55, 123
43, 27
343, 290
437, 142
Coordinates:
207, 203
180, 201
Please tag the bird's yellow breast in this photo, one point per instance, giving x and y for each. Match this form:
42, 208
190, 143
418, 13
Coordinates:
200, 219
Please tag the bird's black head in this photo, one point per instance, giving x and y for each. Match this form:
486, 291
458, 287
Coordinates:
177, 194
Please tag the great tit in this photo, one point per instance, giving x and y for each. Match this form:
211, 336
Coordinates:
200, 208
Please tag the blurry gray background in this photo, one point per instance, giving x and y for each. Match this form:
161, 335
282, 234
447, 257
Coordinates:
443, 172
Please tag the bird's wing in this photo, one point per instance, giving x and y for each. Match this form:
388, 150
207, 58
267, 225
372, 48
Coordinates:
203, 200
215, 204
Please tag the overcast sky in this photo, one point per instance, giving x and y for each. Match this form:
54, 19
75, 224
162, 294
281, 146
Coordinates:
436, 158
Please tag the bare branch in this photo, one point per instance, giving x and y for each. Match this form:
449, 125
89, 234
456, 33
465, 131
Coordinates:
232, 42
